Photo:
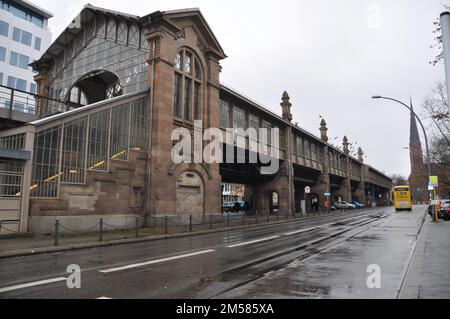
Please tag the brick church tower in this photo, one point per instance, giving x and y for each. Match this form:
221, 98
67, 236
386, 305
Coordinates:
418, 180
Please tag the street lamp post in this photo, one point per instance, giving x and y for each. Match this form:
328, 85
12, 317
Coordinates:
424, 134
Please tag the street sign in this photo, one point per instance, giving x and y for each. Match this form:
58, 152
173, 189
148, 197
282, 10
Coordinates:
434, 181
327, 194
430, 188
307, 190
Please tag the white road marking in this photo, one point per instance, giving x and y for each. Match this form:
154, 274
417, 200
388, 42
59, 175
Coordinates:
301, 231
152, 262
253, 242
104, 298
32, 284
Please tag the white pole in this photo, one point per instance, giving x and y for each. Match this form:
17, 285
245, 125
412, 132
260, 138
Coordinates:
445, 29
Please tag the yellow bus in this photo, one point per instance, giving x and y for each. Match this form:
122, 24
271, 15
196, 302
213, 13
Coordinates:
402, 198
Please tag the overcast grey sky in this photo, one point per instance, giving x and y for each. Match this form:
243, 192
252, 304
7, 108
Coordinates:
331, 56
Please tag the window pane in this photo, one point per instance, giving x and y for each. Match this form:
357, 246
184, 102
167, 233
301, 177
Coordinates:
11, 82
14, 58
178, 61
24, 61
38, 21
21, 85
37, 43
46, 153
33, 88
268, 127
197, 101
198, 72
239, 120
177, 96
187, 62
253, 122
187, 99
16, 34
120, 132
73, 152
224, 114
4, 28
2, 54
98, 141
307, 150
1, 78
300, 146
26, 38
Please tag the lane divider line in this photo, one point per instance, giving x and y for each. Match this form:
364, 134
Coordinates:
32, 284
157, 261
253, 242
301, 231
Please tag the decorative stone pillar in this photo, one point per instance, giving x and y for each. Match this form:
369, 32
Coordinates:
286, 107
41, 80
323, 131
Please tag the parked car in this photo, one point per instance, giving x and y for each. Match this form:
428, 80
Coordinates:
444, 212
344, 205
441, 204
358, 205
227, 207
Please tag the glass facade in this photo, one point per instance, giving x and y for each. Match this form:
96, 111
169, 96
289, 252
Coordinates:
63, 153
187, 86
225, 114
22, 12
127, 63
239, 119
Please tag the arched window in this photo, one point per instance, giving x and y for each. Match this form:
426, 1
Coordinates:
187, 86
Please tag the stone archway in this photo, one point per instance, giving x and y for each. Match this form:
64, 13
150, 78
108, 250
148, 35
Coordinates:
94, 86
190, 194
272, 202
314, 202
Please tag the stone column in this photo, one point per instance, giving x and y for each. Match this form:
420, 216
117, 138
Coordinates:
287, 115
347, 189
41, 80
323, 185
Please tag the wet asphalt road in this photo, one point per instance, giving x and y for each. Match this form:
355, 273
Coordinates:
320, 258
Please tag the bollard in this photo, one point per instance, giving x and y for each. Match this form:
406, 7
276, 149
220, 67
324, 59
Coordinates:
210, 221
101, 230
165, 225
56, 232
190, 223
137, 226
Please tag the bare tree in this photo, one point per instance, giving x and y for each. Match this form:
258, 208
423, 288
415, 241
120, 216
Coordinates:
399, 180
438, 39
434, 110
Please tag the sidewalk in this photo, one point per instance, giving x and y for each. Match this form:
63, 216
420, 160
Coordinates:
428, 276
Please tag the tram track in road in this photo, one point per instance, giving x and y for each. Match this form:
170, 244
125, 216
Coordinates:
276, 262
255, 244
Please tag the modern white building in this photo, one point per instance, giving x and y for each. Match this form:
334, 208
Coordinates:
24, 37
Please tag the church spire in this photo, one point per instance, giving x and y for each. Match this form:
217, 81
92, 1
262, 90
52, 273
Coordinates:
414, 132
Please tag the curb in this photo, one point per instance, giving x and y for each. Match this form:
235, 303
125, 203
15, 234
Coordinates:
118, 242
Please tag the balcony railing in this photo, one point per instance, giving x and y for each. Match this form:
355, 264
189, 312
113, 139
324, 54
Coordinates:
17, 102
